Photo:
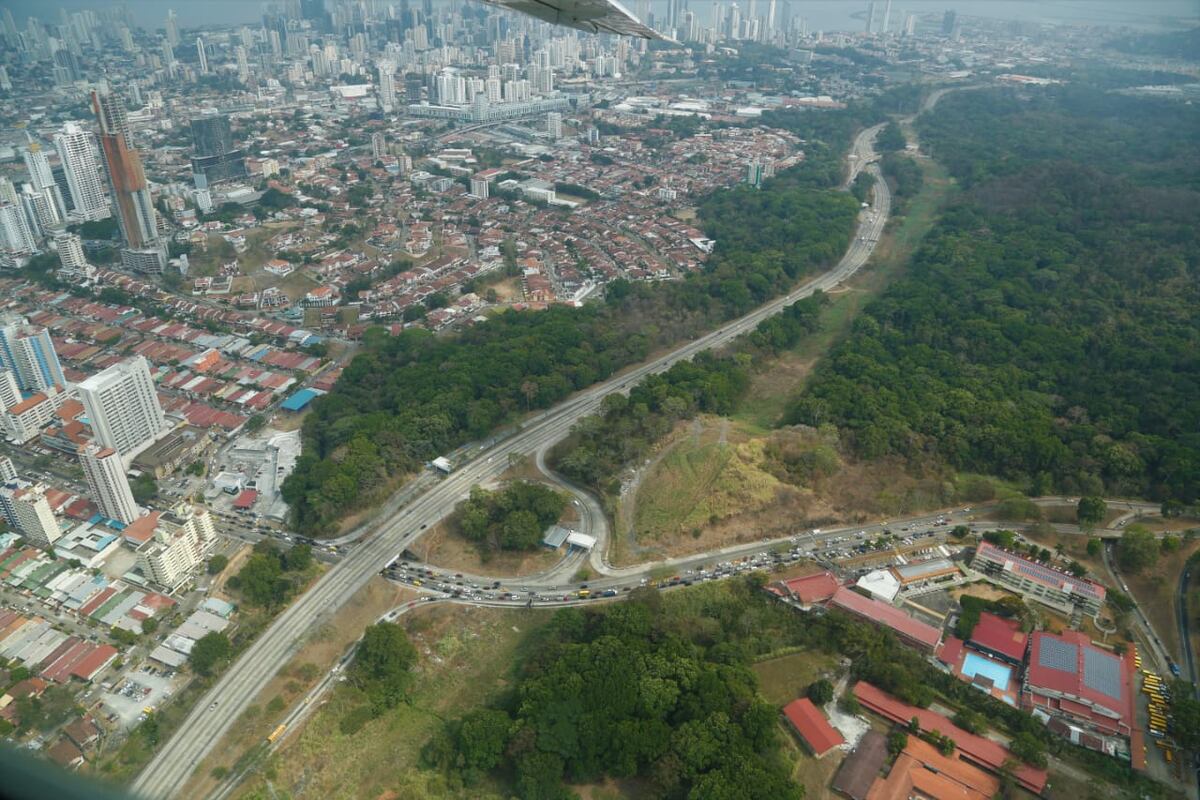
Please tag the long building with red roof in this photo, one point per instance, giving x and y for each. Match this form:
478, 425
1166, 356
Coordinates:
910, 631
812, 726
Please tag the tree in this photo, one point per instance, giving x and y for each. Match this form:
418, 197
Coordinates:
217, 563
1029, 748
381, 665
1094, 546
1090, 511
144, 488
209, 651
1169, 544
896, 742
255, 423
298, 559
482, 736
149, 625
890, 139
1137, 549
820, 692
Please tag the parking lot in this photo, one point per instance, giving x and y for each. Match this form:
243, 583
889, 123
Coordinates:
130, 699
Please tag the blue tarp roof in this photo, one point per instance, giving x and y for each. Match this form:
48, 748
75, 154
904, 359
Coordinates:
299, 400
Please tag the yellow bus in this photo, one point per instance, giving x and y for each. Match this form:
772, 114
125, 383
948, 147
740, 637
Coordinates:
275, 734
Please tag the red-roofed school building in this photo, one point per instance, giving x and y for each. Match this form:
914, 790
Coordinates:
812, 727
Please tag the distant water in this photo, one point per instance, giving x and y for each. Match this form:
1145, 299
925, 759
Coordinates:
827, 15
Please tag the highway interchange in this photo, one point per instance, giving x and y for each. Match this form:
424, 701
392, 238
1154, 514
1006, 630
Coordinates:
217, 711
427, 500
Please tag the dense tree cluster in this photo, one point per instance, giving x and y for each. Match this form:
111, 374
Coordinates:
405, 399
626, 428
382, 665
625, 693
903, 173
1047, 331
210, 650
270, 576
981, 135
513, 518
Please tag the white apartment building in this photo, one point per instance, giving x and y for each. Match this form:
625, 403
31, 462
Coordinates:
82, 171
27, 510
182, 540
122, 407
106, 480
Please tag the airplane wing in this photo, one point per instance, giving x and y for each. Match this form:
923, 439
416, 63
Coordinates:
593, 16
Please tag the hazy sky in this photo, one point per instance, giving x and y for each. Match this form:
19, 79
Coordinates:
821, 14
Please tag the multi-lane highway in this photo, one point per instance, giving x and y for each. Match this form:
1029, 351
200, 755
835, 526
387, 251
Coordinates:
218, 710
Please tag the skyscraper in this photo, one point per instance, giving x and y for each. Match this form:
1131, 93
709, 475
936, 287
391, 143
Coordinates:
29, 352
172, 28
42, 177
74, 147
131, 193
214, 156
202, 55
122, 407
107, 482
387, 85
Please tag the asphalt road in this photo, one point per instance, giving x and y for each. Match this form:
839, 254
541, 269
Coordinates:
217, 711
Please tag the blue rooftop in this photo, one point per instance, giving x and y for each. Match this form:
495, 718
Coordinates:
299, 400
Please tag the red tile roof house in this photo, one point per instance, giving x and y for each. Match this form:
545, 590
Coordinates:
977, 750
811, 726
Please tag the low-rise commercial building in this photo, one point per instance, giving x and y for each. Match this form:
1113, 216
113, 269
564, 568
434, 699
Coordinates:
1036, 581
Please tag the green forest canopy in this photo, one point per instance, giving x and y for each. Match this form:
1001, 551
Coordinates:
1049, 328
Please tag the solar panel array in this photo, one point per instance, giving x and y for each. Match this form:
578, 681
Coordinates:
1040, 572
1058, 655
1102, 673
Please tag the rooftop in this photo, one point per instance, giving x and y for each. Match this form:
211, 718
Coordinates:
1047, 576
1070, 664
1001, 636
886, 615
811, 725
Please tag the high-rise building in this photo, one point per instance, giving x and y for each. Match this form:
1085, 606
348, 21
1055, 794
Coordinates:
10, 390
378, 145
215, 158
172, 28
75, 150
29, 352
27, 509
202, 55
40, 211
122, 406
554, 125
183, 538
15, 235
387, 85
131, 193
949, 22
479, 188
70, 251
8, 472
41, 176
107, 482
